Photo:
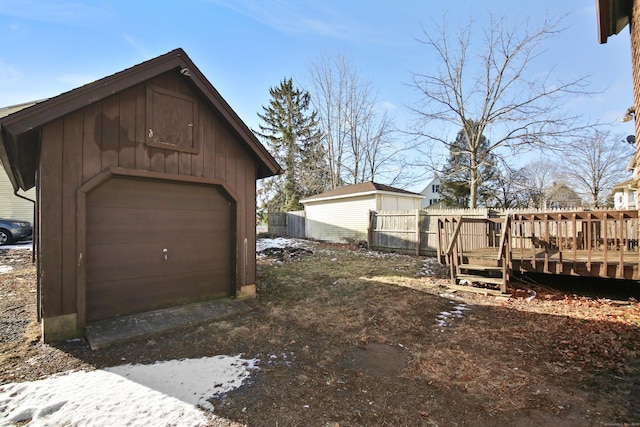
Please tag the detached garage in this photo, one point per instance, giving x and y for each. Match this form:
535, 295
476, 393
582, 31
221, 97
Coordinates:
342, 214
146, 186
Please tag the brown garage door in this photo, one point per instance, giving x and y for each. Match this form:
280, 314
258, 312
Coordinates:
152, 244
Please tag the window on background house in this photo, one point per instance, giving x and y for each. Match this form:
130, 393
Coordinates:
435, 188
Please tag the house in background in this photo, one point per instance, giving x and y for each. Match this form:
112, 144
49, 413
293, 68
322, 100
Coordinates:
146, 194
560, 196
431, 193
625, 195
342, 215
12, 206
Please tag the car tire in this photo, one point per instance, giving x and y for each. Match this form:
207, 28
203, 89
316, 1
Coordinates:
5, 237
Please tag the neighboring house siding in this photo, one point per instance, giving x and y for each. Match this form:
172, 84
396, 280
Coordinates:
624, 200
431, 194
339, 220
12, 206
394, 203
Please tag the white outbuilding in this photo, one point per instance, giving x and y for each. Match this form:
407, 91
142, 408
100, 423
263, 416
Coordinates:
342, 215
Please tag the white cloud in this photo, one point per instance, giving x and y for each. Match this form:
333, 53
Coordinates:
296, 18
51, 11
388, 106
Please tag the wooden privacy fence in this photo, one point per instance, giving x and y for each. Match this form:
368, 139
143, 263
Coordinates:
287, 224
411, 232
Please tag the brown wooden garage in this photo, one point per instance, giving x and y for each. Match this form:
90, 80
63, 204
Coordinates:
146, 184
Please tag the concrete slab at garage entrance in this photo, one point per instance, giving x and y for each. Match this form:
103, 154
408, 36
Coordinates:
103, 333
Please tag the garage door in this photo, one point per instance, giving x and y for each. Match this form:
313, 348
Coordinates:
154, 244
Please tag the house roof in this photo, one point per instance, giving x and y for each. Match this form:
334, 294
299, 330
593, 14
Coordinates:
19, 130
631, 184
361, 189
5, 111
613, 16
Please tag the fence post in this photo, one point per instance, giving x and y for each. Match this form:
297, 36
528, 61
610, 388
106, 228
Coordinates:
418, 232
370, 230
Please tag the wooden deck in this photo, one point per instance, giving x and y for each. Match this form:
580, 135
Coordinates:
584, 263
581, 243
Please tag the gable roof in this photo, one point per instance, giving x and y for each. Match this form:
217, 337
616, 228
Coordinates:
19, 131
361, 189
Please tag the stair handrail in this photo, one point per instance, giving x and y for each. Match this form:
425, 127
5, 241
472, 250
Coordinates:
453, 244
454, 236
504, 253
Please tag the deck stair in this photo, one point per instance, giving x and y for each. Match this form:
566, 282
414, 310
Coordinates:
476, 273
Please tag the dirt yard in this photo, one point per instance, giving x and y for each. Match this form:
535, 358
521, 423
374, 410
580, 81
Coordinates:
349, 337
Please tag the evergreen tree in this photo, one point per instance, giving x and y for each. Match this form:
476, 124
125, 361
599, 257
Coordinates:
290, 131
462, 164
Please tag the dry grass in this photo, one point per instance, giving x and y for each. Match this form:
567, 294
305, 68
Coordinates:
350, 337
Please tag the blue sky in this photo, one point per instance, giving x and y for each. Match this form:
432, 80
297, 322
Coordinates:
244, 47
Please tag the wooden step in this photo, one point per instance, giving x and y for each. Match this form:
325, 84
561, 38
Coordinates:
480, 279
484, 291
476, 267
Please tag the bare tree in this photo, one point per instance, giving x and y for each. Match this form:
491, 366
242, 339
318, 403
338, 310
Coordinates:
595, 164
506, 190
537, 177
358, 137
485, 85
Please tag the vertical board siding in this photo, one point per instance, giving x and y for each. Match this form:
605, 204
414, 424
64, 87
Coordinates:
92, 142
208, 149
250, 194
71, 180
51, 249
127, 129
142, 157
112, 132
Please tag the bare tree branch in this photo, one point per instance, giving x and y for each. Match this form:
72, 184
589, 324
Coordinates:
495, 88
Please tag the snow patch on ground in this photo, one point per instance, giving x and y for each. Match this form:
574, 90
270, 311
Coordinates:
445, 318
279, 242
164, 393
24, 245
27, 244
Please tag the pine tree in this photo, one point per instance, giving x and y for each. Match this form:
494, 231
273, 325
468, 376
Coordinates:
456, 176
290, 131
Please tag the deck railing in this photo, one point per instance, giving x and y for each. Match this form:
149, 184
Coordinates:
599, 241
